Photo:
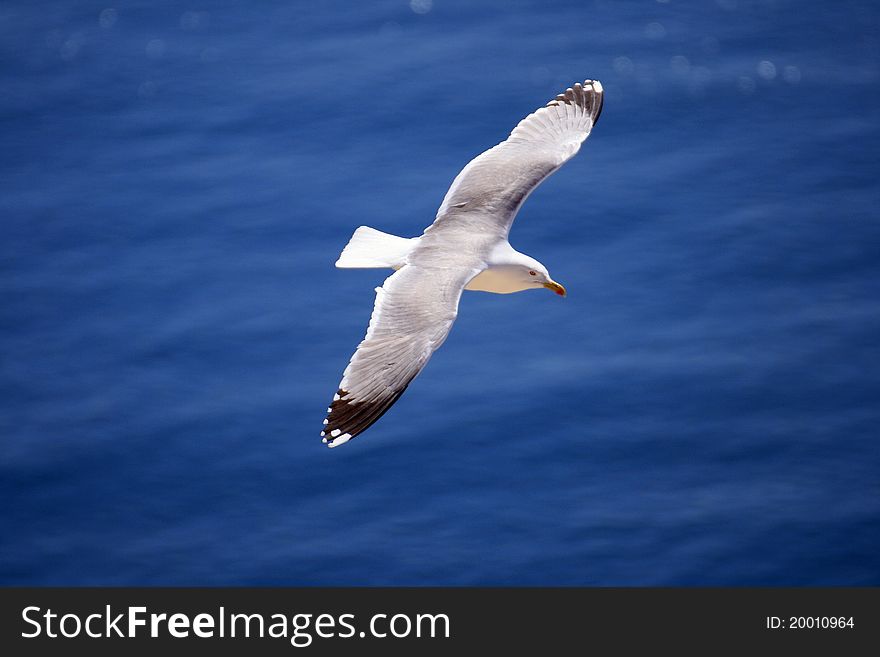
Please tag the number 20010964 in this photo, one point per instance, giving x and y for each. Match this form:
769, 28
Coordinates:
810, 622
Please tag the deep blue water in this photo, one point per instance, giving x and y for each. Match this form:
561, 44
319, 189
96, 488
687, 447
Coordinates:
176, 183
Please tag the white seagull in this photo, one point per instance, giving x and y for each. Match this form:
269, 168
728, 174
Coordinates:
466, 248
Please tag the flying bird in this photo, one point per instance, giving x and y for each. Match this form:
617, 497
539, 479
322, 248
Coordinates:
466, 248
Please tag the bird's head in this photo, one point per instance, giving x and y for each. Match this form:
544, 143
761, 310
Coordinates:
534, 274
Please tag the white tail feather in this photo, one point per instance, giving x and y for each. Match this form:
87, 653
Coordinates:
371, 248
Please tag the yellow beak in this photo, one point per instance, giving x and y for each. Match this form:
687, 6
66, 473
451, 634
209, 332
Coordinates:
556, 287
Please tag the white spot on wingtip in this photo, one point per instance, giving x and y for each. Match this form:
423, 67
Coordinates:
322, 433
326, 421
341, 440
335, 432
329, 410
597, 86
336, 397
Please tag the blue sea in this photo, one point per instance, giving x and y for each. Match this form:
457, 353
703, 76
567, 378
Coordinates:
177, 180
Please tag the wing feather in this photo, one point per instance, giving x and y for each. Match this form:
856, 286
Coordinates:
413, 314
498, 181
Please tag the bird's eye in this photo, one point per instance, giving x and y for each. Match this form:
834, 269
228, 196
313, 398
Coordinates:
531, 273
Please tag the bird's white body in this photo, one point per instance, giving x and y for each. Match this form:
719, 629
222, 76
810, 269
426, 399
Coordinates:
372, 249
466, 248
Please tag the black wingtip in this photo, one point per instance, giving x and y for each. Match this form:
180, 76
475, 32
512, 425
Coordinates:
347, 418
588, 95
599, 96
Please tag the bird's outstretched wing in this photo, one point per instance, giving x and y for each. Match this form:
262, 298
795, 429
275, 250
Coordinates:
496, 183
414, 311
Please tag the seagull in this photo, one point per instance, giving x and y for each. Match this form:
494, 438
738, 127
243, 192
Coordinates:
466, 248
